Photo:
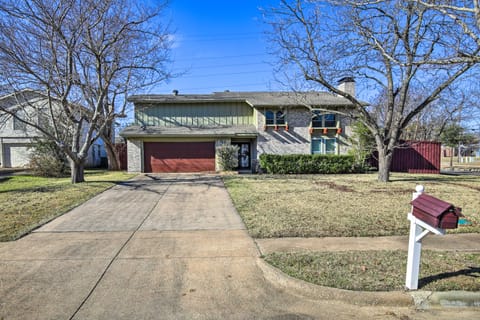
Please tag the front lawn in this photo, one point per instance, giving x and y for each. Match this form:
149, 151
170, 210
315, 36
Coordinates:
381, 270
27, 201
343, 205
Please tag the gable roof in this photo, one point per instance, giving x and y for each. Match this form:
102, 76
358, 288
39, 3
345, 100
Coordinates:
11, 102
18, 97
254, 99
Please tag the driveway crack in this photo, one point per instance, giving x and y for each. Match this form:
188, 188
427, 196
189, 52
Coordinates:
115, 257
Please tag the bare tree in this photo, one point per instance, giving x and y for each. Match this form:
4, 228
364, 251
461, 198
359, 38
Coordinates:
85, 56
429, 124
466, 15
455, 105
390, 47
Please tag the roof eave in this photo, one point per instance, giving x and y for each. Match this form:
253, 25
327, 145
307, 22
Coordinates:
178, 100
192, 135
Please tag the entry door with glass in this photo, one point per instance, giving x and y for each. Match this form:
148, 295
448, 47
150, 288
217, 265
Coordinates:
243, 155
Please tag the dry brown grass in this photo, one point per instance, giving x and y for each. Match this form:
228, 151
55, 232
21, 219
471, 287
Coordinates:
381, 270
343, 205
27, 201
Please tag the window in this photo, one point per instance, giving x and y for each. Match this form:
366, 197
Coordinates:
317, 119
317, 146
277, 118
280, 118
320, 120
269, 118
19, 124
330, 120
324, 146
330, 146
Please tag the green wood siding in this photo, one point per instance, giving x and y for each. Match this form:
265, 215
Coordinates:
195, 115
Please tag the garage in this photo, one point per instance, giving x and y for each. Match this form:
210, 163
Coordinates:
16, 155
179, 156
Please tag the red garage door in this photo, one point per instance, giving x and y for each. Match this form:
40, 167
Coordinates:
179, 156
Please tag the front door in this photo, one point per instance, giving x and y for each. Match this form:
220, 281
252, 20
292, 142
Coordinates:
243, 155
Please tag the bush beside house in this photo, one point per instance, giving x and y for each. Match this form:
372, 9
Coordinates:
227, 157
47, 159
307, 164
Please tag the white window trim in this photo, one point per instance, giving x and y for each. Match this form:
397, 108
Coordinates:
323, 114
323, 145
275, 124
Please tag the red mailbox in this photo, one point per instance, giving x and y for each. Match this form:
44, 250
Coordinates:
436, 212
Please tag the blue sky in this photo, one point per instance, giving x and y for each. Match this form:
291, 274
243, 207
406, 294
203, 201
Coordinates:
220, 45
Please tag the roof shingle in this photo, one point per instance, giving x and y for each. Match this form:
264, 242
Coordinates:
254, 99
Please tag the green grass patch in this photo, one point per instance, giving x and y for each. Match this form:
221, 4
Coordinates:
27, 201
381, 270
348, 205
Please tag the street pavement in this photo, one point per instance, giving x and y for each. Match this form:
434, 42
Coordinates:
168, 247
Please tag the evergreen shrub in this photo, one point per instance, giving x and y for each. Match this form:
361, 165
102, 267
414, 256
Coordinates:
307, 164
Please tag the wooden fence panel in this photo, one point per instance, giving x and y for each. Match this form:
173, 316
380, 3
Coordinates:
122, 152
417, 157
414, 157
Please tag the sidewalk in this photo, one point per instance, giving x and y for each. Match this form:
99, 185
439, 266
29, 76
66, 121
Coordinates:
451, 242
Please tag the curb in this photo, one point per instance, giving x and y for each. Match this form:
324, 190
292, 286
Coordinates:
313, 291
462, 299
422, 300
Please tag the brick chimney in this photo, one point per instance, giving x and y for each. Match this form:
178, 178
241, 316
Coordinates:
347, 85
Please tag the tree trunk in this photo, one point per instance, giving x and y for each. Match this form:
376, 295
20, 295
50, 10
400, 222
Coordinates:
385, 157
459, 155
107, 135
112, 156
452, 150
77, 171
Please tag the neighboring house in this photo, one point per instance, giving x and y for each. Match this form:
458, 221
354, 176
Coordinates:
17, 138
179, 133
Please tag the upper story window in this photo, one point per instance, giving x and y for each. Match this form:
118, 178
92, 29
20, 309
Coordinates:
330, 120
19, 124
317, 120
280, 118
269, 117
327, 120
275, 118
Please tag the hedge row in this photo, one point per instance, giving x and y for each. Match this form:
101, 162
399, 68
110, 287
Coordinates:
307, 164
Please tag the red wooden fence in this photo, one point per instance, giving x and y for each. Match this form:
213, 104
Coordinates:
416, 157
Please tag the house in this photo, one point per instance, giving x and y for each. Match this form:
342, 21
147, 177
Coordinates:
17, 138
179, 132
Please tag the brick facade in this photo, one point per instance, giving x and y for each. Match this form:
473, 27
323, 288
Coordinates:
135, 155
294, 141
297, 140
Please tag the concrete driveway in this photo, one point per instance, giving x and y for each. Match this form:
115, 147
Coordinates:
157, 247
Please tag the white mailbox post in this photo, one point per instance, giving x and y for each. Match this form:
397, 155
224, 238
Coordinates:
418, 231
